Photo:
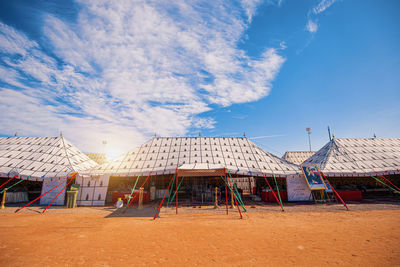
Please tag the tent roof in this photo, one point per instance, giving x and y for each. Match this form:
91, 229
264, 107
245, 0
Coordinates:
162, 155
358, 156
41, 157
297, 157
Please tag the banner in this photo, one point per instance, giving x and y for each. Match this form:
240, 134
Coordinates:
313, 177
297, 189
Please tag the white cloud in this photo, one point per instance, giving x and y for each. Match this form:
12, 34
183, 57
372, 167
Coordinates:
312, 26
322, 6
130, 68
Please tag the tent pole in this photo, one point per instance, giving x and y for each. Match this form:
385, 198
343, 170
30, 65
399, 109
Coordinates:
336, 193
176, 192
127, 206
237, 192
169, 193
240, 213
133, 190
59, 193
159, 207
39, 197
272, 190
226, 193
173, 196
277, 190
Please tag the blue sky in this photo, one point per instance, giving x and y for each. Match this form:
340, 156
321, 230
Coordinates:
122, 70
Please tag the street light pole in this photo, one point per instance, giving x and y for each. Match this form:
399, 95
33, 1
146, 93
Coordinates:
308, 129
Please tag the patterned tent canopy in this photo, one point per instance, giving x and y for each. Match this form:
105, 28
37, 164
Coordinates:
41, 157
358, 156
162, 155
297, 157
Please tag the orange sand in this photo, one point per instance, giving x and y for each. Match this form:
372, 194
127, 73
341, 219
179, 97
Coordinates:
101, 237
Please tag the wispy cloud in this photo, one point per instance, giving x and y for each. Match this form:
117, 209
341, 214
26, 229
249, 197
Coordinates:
126, 69
312, 26
322, 6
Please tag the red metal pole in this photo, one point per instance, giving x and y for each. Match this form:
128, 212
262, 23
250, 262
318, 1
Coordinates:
58, 194
229, 180
336, 193
226, 194
39, 197
272, 190
388, 181
130, 202
177, 193
159, 207
8, 181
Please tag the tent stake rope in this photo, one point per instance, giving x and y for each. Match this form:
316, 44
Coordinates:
241, 204
237, 192
133, 190
388, 181
336, 193
72, 178
159, 207
240, 213
385, 184
40, 196
277, 190
272, 190
173, 196
127, 206
170, 191
8, 181
226, 194
12, 185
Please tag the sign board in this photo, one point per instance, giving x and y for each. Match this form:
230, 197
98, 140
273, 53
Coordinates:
313, 177
298, 189
49, 184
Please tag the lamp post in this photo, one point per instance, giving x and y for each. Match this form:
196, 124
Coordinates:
308, 129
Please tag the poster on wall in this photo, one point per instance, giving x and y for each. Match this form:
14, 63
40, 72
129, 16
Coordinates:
313, 177
48, 185
298, 189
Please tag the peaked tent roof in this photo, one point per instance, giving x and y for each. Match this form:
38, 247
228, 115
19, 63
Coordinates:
297, 157
162, 155
41, 157
358, 156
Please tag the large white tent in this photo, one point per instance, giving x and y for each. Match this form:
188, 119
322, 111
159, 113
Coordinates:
38, 158
163, 155
358, 157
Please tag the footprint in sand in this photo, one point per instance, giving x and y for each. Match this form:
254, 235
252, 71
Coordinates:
301, 247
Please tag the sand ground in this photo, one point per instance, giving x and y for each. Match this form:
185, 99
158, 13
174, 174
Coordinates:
304, 235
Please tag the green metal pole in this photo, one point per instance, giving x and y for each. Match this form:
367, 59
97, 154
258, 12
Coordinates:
11, 186
385, 184
241, 203
133, 189
173, 196
277, 189
170, 191
234, 184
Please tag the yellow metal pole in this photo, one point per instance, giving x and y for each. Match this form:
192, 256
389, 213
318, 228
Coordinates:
216, 198
140, 204
4, 199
